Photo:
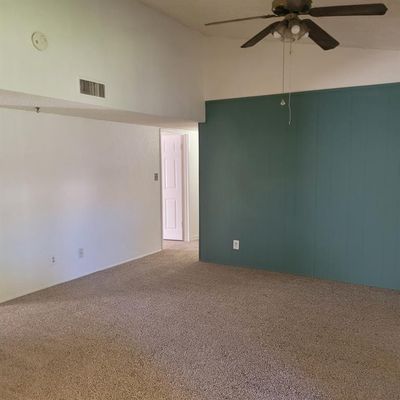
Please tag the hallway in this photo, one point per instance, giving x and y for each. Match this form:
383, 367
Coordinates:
183, 246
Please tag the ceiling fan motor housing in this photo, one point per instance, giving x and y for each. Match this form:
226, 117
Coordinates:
284, 7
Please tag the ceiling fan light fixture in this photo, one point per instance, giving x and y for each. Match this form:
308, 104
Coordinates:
290, 29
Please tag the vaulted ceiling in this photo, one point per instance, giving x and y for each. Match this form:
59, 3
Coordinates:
378, 32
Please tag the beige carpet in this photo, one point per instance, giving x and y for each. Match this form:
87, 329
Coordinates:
168, 327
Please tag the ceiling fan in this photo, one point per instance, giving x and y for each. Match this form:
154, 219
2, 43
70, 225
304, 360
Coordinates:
293, 28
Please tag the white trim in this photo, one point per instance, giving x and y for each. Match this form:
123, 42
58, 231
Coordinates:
82, 276
186, 189
123, 262
160, 182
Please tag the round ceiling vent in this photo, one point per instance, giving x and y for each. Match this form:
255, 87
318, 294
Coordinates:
39, 41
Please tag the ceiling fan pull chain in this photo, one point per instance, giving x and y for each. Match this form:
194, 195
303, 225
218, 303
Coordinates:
283, 102
290, 82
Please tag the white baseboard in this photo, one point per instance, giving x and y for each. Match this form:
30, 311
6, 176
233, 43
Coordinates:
122, 263
4, 300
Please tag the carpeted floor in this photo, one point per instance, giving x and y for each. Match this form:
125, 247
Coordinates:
169, 327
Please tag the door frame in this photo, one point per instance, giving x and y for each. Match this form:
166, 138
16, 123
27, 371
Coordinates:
185, 182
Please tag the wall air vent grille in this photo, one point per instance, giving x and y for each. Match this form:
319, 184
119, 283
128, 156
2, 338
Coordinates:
92, 88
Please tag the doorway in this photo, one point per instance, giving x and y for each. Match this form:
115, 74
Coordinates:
179, 185
172, 185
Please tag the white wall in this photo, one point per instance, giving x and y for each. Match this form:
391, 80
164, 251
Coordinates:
150, 63
68, 183
232, 72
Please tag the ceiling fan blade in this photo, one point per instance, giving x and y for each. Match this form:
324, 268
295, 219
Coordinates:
241, 19
345, 11
319, 36
261, 35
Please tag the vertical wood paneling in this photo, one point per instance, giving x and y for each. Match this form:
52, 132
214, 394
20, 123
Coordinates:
320, 197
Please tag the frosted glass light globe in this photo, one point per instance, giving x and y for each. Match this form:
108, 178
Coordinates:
295, 29
277, 35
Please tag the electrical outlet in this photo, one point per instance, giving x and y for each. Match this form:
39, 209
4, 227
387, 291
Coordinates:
81, 253
236, 245
53, 260
156, 176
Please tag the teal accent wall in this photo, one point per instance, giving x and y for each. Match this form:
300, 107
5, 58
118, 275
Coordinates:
318, 198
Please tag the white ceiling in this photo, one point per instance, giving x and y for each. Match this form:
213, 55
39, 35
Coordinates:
378, 32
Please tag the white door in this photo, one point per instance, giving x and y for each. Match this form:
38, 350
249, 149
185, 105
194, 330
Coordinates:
172, 146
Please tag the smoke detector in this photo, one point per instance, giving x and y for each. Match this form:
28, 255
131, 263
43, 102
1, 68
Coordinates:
39, 41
